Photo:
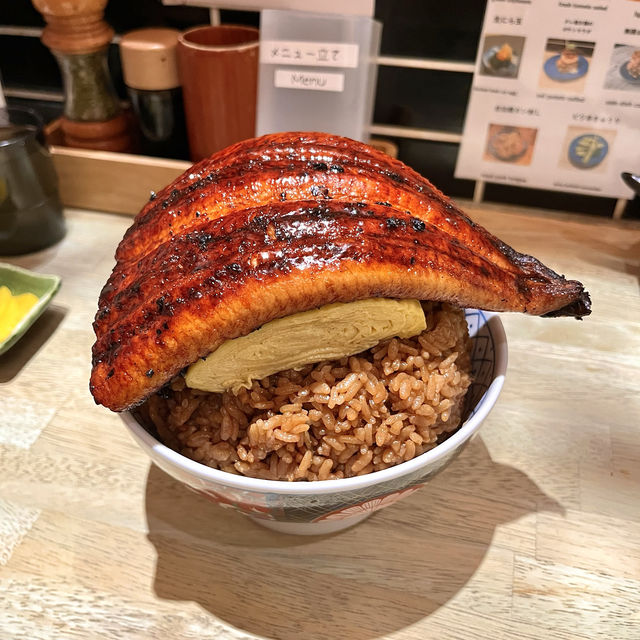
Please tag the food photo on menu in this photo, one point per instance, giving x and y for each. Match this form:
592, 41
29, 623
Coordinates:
632, 66
506, 143
319, 320
565, 64
624, 69
587, 149
501, 55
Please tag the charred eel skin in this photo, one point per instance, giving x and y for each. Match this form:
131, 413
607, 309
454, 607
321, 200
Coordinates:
288, 167
177, 296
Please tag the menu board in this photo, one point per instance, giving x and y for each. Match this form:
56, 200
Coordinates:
555, 101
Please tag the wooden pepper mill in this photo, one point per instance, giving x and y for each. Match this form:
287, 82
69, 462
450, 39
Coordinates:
78, 37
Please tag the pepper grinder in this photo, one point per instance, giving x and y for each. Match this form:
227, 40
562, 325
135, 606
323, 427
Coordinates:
78, 37
150, 71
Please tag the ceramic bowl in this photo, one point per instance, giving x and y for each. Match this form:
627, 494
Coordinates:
331, 505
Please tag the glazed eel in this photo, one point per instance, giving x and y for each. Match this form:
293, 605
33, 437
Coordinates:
286, 223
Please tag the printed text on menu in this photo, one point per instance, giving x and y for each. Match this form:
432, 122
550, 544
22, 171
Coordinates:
309, 54
555, 100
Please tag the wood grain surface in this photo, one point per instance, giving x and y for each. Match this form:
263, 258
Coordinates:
86, 177
532, 533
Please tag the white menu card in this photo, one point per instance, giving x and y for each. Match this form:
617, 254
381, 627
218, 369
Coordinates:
555, 101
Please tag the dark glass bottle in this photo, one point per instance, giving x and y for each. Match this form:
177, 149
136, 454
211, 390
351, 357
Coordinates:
160, 117
150, 72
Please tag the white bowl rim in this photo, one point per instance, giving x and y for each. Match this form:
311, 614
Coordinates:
320, 487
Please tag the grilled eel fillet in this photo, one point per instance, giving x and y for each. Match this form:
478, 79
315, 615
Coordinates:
282, 224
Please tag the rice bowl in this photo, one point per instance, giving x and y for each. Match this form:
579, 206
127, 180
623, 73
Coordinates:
330, 420
311, 508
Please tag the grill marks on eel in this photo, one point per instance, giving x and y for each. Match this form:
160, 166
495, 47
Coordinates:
301, 235
286, 223
293, 167
231, 274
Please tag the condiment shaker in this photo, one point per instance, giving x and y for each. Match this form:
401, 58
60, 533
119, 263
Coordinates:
79, 39
150, 72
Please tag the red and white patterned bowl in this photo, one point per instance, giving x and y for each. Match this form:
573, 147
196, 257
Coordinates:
331, 505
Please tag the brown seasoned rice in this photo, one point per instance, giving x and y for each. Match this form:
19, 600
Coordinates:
334, 419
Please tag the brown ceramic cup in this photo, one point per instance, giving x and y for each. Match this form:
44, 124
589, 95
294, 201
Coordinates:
219, 73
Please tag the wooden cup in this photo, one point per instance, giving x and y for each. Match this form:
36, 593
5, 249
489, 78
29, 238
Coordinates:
219, 73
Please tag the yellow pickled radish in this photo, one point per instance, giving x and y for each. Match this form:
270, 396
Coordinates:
13, 309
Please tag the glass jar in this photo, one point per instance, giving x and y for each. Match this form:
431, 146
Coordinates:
30, 208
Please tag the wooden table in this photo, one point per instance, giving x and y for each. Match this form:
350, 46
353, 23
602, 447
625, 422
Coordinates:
534, 532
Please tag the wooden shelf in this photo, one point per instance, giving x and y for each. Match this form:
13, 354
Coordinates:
114, 182
108, 181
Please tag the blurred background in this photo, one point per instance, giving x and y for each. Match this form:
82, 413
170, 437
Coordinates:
425, 71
